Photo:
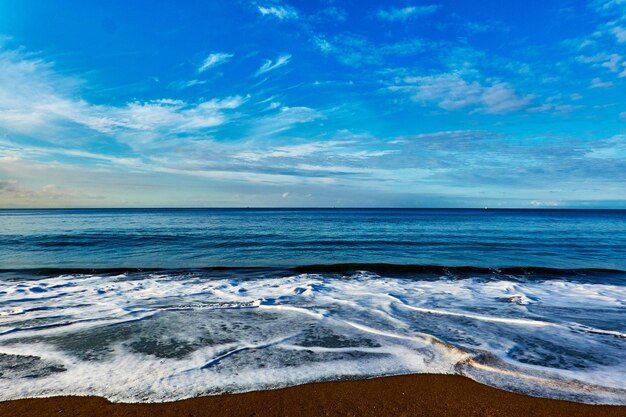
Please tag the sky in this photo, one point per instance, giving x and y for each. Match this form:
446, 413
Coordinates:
325, 103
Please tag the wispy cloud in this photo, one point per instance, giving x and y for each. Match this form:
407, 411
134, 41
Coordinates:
603, 48
285, 119
358, 51
537, 203
174, 115
620, 33
37, 101
14, 194
269, 65
599, 83
213, 60
331, 13
611, 7
402, 14
281, 12
452, 92
613, 62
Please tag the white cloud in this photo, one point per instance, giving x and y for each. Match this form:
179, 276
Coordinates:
598, 83
269, 65
620, 34
174, 115
285, 119
357, 51
279, 12
189, 83
36, 100
402, 14
214, 60
612, 148
604, 46
451, 92
302, 150
538, 203
612, 62
611, 6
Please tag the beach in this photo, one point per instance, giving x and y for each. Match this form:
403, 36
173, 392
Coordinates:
408, 395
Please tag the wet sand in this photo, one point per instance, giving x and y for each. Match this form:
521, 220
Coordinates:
410, 395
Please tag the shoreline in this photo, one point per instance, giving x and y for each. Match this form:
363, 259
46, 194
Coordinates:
404, 395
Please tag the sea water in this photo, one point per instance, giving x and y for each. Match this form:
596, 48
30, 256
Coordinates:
158, 305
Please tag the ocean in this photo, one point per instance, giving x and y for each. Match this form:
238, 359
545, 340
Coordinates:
164, 304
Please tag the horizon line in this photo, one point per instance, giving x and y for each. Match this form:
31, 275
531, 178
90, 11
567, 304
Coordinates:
315, 208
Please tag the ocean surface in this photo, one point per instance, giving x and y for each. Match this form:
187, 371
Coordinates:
157, 305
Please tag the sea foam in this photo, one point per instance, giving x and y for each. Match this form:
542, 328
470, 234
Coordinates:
171, 335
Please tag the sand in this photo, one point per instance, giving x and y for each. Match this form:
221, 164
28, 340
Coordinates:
410, 395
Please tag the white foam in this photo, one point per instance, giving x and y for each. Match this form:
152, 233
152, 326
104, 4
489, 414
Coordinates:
161, 337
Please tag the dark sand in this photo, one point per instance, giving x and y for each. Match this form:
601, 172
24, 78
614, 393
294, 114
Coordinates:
411, 395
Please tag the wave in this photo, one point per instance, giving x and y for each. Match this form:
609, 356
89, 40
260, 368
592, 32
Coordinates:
340, 268
160, 335
385, 268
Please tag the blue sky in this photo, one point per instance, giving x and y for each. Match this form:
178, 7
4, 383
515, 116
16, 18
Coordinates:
313, 103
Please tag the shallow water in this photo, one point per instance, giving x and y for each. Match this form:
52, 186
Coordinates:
539, 310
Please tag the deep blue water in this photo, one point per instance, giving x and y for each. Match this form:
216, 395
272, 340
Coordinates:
191, 238
155, 305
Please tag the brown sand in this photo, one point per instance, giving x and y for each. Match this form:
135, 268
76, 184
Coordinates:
411, 395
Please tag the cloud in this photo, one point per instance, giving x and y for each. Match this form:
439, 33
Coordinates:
451, 92
402, 14
538, 203
281, 12
285, 119
358, 51
269, 65
31, 93
598, 83
160, 136
37, 101
14, 194
611, 7
173, 115
620, 34
615, 63
302, 150
189, 83
214, 60
486, 26
331, 13
603, 48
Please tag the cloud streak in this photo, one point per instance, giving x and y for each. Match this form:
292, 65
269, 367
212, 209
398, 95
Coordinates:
269, 65
213, 60
281, 12
357, 51
404, 13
